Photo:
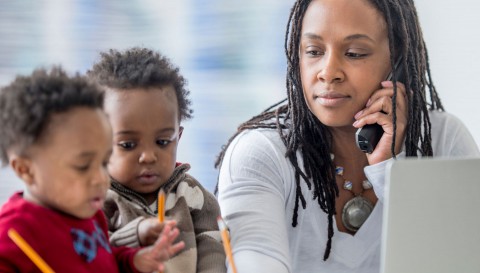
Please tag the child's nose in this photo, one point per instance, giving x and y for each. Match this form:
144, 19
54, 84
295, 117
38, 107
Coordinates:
148, 157
101, 176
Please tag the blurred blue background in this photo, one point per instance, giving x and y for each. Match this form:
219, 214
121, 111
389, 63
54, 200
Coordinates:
230, 51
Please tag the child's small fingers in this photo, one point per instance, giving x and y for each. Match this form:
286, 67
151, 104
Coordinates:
171, 223
158, 227
167, 229
162, 242
161, 251
164, 249
172, 234
176, 248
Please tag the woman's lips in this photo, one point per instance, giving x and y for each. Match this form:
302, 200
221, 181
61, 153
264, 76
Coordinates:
331, 99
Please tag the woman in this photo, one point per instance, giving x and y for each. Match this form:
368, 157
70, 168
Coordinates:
296, 191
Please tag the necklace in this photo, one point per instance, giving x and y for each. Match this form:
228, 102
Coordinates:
357, 209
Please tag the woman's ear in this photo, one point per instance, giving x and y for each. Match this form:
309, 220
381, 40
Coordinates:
22, 166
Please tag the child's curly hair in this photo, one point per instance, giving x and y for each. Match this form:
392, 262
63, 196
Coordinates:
27, 104
141, 68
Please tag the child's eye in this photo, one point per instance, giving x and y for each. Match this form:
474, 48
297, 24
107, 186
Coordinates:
127, 145
163, 142
82, 168
105, 163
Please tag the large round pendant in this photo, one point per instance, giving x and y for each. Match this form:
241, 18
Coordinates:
355, 212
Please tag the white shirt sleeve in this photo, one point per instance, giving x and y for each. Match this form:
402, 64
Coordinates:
450, 137
252, 199
376, 175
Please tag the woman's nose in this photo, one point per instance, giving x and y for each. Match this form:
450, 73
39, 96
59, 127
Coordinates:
330, 70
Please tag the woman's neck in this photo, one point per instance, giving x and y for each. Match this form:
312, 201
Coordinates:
344, 148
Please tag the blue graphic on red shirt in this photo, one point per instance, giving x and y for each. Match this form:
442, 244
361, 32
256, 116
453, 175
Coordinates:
86, 245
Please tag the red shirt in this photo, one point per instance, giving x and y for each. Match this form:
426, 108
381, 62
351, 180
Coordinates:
66, 243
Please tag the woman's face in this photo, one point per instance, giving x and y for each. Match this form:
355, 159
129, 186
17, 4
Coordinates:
344, 55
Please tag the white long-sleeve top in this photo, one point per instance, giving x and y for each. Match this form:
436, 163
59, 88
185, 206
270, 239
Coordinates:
257, 197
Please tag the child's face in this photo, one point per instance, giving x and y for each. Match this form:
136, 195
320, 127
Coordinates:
344, 55
67, 166
146, 131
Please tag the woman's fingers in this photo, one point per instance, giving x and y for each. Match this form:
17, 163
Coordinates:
387, 87
381, 101
379, 109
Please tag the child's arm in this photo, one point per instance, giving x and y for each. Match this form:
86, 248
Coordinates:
124, 220
126, 235
211, 255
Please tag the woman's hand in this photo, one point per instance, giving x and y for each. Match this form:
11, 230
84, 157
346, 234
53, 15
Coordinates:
151, 258
379, 110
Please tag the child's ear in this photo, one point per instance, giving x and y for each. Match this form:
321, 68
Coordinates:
180, 131
22, 166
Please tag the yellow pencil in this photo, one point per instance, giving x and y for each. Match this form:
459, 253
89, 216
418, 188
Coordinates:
226, 242
28, 250
161, 205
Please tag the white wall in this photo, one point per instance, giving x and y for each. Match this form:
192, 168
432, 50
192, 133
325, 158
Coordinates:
250, 39
451, 31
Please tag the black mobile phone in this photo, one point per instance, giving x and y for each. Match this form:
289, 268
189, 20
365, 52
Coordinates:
368, 136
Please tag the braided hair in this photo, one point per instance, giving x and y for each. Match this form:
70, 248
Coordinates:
302, 132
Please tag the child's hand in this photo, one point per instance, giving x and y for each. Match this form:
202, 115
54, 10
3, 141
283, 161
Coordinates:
151, 258
149, 230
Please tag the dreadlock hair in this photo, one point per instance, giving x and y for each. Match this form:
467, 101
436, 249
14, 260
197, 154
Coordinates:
141, 68
306, 134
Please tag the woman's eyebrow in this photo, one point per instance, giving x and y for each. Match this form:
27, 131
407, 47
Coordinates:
312, 36
358, 36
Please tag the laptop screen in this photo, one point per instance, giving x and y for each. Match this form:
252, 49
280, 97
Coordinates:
432, 216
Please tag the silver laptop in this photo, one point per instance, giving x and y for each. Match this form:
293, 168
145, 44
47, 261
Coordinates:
432, 216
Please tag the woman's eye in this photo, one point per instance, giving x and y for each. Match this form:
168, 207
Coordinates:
127, 145
314, 52
162, 142
355, 55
